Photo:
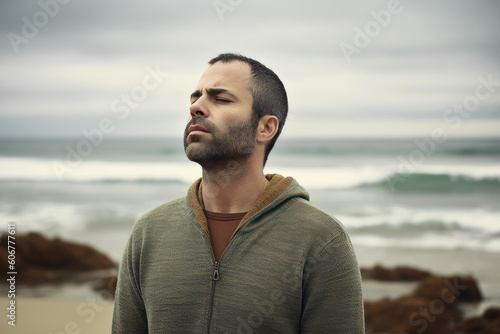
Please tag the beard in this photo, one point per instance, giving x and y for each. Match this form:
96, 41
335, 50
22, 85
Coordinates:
237, 143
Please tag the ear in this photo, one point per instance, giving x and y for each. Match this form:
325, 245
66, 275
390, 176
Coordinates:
268, 126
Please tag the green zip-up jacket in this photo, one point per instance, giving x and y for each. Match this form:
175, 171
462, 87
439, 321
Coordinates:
289, 268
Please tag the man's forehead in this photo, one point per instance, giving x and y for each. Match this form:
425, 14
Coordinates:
222, 74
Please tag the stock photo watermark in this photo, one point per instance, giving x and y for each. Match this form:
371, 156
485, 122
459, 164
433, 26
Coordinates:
454, 116
31, 26
11, 273
371, 29
425, 315
223, 6
121, 107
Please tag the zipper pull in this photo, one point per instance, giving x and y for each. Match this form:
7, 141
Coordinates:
216, 271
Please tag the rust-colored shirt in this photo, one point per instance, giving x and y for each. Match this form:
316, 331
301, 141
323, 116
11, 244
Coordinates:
222, 227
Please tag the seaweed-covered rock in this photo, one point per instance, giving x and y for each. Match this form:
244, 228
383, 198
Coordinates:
489, 323
400, 273
410, 315
432, 308
41, 260
449, 289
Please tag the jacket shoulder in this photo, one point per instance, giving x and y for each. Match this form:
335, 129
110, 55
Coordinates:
307, 215
162, 214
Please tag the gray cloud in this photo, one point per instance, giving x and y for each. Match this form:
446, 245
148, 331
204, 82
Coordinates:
427, 58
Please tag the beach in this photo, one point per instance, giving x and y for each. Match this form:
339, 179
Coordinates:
441, 215
78, 308
56, 316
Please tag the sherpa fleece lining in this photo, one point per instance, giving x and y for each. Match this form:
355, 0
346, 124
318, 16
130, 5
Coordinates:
276, 186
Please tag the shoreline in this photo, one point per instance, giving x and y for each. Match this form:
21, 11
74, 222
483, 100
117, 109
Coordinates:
480, 264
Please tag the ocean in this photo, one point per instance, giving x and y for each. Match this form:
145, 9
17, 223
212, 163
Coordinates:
388, 193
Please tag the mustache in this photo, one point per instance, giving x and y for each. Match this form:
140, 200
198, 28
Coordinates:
199, 120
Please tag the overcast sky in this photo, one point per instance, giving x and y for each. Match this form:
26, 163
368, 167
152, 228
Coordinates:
351, 68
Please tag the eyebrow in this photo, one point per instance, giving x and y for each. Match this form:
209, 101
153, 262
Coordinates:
212, 91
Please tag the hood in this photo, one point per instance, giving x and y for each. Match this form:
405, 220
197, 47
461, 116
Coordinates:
279, 190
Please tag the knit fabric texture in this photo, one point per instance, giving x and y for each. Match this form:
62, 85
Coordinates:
289, 268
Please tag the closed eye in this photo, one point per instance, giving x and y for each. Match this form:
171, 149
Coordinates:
222, 100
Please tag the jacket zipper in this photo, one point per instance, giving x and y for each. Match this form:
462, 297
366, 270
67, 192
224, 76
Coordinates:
215, 278
216, 271
216, 274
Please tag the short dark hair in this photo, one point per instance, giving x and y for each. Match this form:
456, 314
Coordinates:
268, 92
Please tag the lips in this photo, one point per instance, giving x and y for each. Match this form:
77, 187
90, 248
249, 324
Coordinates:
197, 129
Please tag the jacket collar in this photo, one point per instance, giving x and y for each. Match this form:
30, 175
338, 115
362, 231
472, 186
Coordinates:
277, 185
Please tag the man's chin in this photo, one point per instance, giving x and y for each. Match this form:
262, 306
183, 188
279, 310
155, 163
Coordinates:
194, 151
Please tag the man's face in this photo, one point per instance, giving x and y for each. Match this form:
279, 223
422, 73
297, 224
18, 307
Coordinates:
221, 126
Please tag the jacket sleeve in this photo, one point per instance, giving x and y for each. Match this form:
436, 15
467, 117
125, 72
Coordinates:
332, 300
129, 314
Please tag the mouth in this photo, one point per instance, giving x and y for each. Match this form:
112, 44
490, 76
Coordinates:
197, 130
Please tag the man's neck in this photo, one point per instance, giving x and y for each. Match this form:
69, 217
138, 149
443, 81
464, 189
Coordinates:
232, 188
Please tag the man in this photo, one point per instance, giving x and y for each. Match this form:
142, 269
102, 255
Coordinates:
243, 252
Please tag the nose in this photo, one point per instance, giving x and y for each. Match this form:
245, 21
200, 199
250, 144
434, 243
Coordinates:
199, 108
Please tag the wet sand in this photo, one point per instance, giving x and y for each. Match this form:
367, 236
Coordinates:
53, 316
